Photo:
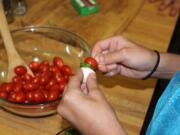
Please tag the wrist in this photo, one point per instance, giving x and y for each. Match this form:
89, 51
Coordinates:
168, 66
155, 66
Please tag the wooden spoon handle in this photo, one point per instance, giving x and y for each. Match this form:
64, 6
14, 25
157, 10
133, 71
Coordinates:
5, 33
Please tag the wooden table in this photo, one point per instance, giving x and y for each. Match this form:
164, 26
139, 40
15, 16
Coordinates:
137, 20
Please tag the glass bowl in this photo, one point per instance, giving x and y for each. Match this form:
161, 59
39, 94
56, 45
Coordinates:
37, 43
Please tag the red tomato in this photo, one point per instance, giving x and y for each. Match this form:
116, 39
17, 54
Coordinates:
66, 70
45, 92
17, 87
30, 96
7, 87
61, 87
3, 94
20, 97
36, 80
51, 82
92, 62
26, 77
45, 62
43, 80
59, 78
66, 77
55, 88
12, 96
34, 66
43, 68
53, 95
30, 86
38, 96
58, 62
20, 70
54, 69
16, 79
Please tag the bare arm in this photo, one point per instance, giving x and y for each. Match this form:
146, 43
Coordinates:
169, 65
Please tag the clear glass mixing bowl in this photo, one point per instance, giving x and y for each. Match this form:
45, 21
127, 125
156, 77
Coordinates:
37, 43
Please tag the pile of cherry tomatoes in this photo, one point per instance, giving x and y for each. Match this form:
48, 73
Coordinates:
47, 84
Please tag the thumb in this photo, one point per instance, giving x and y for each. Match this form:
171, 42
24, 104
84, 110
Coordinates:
92, 82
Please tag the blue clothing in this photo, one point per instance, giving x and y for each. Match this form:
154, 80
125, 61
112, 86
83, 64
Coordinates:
166, 117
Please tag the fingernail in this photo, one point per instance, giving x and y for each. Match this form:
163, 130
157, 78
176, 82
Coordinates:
102, 68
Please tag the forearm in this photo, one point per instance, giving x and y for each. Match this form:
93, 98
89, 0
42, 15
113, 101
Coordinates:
168, 66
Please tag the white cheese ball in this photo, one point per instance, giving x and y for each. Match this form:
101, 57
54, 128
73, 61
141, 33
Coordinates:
86, 72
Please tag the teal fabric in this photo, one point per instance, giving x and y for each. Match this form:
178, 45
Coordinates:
166, 117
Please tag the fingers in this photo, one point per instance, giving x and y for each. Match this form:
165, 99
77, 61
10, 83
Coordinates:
112, 57
100, 47
76, 80
92, 83
109, 44
175, 9
165, 4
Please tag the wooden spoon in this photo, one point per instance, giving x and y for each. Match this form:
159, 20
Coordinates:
13, 57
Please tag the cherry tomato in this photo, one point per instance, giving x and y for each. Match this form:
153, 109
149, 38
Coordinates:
20, 70
36, 80
30, 86
59, 78
34, 66
54, 69
7, 87
26, 77
92, 62
12, 96
47, 84
53, 95
16, 79
66, 70
17, 87
45, 92
55, 88
61, 87
58, 62
66, 77
3, 94
43, 68
20, 97
38, 96
30, 96
45, 62
51, 82
43, 80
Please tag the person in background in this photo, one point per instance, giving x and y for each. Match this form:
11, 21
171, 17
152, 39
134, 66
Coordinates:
174, 6
91, 114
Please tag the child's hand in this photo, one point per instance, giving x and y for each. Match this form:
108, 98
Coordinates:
90, 113
117, 55
173, 4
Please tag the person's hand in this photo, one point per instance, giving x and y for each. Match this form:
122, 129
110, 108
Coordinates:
117, 55
89, 113
173, 4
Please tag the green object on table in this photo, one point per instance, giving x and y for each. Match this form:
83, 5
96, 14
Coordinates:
72, 132
82, 64
85, 7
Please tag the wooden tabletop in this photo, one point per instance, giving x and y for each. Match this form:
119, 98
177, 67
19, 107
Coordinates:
137, 20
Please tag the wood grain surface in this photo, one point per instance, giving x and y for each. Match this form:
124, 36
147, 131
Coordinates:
137, 20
